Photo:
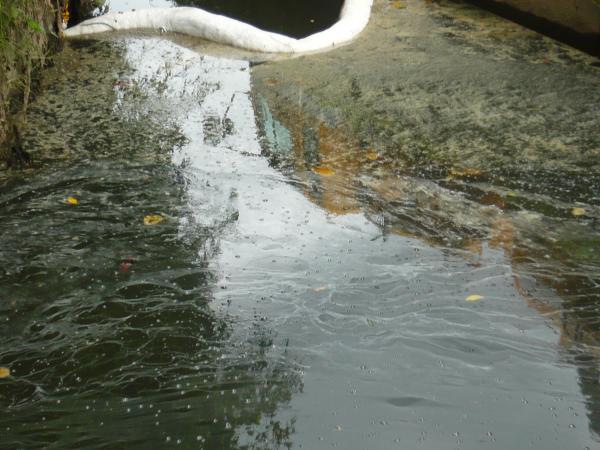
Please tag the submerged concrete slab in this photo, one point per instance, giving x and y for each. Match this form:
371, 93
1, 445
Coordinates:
439, 86
453, 125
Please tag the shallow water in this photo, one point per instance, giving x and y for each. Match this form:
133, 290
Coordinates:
315, 304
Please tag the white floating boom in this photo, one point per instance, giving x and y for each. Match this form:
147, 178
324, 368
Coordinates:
225, 30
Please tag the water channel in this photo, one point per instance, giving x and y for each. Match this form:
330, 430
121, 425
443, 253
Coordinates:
198, 295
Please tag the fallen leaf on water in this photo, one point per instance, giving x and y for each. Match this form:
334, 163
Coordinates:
321, 288
371, 323
493, 199
153, 219
323, 171
398, 5
578, 212
474, 298
464, 173
126, 265
372, 155
72, 201
4, 372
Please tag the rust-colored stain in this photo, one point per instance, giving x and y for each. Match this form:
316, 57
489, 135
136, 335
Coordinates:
337, 161
271, 81
326, 171
341, 161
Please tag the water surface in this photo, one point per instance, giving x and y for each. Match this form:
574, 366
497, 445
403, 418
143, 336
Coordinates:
310, 304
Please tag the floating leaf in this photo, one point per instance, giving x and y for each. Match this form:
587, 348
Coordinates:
474, 298
578, 212
4, 372
126, 265
323, 171
468, 172
72, 201
153, 219
370, 322
372, 155
398, 5
321, 288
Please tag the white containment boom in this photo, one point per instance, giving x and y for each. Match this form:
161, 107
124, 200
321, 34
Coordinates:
353, 19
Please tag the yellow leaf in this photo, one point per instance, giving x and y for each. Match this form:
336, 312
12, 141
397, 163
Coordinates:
4, 372
72, 201
398, 5
153, 219
577, 212
321, 288
323, 171
372, 155
474, 298
464, 173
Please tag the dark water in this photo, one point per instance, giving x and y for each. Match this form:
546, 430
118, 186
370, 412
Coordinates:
296, 18
106, 322
309, 300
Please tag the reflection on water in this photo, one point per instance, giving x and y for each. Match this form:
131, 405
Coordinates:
106, 322
469, 214
319, 307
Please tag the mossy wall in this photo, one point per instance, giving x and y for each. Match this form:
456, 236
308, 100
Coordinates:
27, 29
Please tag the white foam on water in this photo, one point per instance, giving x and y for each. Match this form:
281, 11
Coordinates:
353, 19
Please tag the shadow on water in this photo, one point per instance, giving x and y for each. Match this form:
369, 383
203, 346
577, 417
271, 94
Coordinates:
105, 319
